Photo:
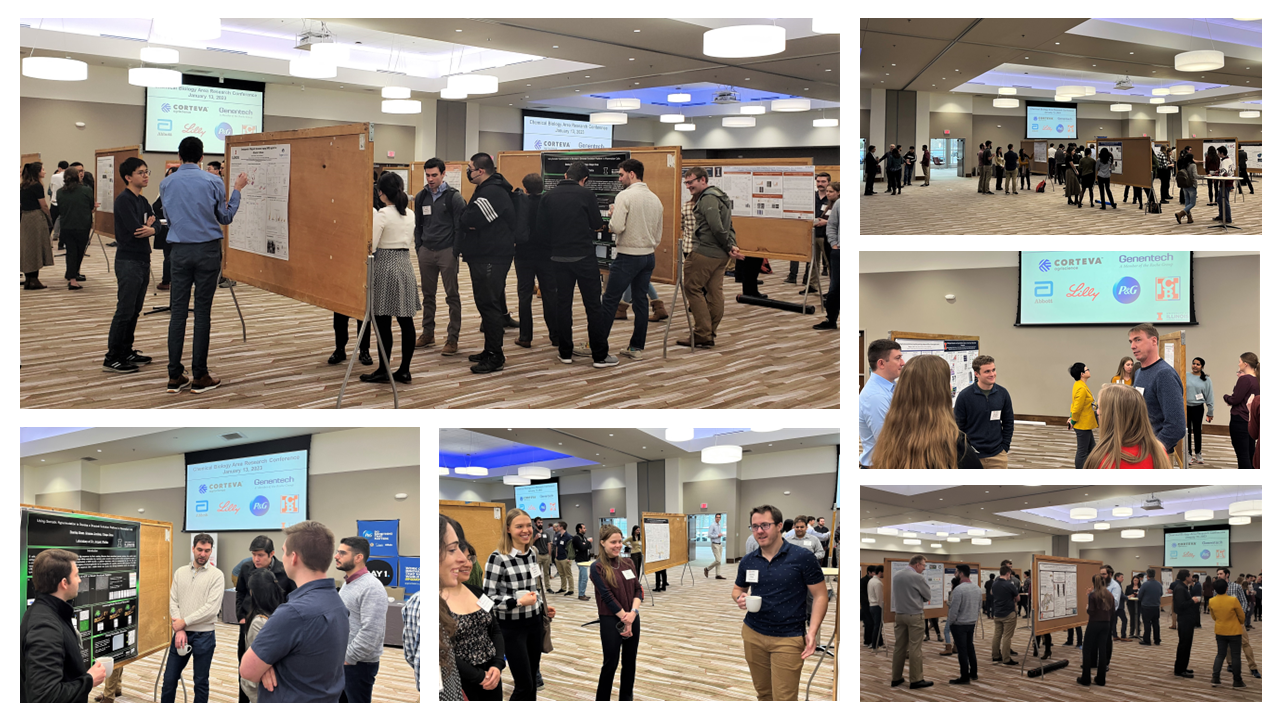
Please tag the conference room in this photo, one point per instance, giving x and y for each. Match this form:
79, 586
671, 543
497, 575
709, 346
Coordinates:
1061, 593
1045, 359
1156, 120
212, 544
674, 516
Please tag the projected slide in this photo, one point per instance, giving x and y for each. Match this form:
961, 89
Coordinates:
209, 113
539, 500
250, 493
1053, 123
544, 133
1083, 288
1197, 547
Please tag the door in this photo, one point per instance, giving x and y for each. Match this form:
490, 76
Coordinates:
701, 527
1173, 350
958, 155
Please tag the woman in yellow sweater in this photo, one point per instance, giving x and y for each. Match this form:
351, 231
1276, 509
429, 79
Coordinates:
1227, 619
1124, 373
1084, 416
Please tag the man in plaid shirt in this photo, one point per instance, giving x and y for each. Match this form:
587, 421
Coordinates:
1234, 589
411, 614
688, 223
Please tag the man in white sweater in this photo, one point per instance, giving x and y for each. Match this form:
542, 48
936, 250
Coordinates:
635, 219
366, 601
194, 600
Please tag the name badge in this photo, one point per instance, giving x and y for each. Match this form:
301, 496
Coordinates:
1141, 391
537, 571
1199, 396
485, 602
628, 575
995, 414
753, 576
426, 209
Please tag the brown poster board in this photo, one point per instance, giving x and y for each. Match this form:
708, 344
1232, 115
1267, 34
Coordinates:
1157, 572
330, 219
482, 522
104, 218
678, 527
1042, 601
1197, 149
773, 238
463, 185
1029, 146
832, 170
1135, 159
887, 579
155, 573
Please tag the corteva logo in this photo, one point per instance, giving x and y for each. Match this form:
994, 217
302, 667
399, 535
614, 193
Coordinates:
186, 108
1071, 263
219, 486
1045, 265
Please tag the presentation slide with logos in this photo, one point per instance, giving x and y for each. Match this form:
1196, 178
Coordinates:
1086, 288
1197, 547
541, 500
246, 494
209, 113
545, 133
1053, 123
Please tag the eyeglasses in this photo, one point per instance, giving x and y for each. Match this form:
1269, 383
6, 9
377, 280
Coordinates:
762, 526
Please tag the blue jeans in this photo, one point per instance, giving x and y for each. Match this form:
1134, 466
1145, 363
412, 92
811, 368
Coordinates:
946, 631
360, 679
195, 265
584, 574
653, 294
1190, 195
132, 277
629, 272
202, 645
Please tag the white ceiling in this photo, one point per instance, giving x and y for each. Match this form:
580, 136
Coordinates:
110, 445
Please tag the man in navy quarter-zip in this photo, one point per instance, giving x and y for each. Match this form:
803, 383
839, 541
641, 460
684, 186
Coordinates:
984, 413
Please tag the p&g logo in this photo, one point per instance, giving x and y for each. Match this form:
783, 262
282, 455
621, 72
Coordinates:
222, 130
260, 505
1126, 290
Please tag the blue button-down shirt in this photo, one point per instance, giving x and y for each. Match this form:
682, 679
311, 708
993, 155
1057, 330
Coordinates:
436, 195
195, 203
782, 585
873, 404
306, 642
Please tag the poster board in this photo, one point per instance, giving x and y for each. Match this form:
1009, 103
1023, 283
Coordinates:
1173, 350
455, 173
1133, 164
34, 157
768, 237
1252, 148
958, 350
949, 570
1037, 149
1199, 144
155, 572
661, 174
1165, 575
482, 522
832, 170
933, 572
655, 528
1060, 592
330, 218
104, 218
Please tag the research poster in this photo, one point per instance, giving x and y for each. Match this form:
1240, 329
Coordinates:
1057, 590
1124, 287
1166, 581
1040, 152
1117, 157
603, 167
261, 224
105, 177
1230, 145
657, 539
1253, 151
453, 176
934, 575
106, 608
782, 191
958, 354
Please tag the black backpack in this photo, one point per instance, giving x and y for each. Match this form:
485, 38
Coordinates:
1183, 179
523, 205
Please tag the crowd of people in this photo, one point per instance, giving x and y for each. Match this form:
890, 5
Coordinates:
301, 639
907, 419
1135, 609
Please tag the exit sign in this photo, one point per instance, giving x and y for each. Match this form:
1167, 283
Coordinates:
704, 506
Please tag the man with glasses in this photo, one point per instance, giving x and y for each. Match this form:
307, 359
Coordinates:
714, 243
772, 584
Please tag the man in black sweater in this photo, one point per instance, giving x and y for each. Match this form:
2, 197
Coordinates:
865, 605
437, 239
488, 246
133, 227
262, 556
984, 412
52, 669
1185, 606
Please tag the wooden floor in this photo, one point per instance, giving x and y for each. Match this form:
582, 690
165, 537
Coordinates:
763, 358
952, 206
394, 684
1044, 447
1136, 672
690, 646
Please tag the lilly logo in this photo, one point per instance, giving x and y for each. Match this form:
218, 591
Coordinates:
260, 505
1126, 290
1045, 265
223, 130
166, 107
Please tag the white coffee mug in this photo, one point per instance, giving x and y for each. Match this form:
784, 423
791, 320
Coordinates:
108, 663
753, 603
185, 648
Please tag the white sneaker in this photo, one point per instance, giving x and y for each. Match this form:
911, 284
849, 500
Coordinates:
608, 361
1199, 459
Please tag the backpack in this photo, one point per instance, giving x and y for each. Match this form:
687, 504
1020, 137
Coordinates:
523, 205
1183, 179
1040, 187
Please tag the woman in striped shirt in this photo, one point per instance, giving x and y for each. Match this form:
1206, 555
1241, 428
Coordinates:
514, 582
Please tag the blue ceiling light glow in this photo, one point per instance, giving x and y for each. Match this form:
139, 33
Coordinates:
502, 457
701, 95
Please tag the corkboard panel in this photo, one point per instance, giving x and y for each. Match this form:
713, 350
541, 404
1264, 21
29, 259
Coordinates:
1085, 570
104, 219
1029, 147
482, 529
678, 527
832, 170
1197, 149
330, 219
34, 157
661, 174
1137, 174
773, 238
466, 188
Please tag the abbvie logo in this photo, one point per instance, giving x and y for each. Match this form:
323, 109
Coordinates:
202, 506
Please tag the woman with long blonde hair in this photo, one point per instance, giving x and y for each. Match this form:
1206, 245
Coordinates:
920, 430
618, 599
1097, 635
514, 582
1125, 433
1124, 373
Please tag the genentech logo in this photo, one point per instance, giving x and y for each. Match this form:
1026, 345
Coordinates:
1126, 290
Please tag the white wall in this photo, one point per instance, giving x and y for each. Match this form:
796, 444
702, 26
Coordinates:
692, 469
771, 130
791, 463
610, 478
463, 491
1036, 544
44, 478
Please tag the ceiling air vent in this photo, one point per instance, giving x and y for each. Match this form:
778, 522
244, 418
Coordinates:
233, 436
225, 50
123, 37
89, 459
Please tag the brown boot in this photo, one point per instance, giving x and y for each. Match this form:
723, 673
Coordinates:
1179, 215
948, 651
425, 341
658, 311
450, 348
621, 312
1189, 218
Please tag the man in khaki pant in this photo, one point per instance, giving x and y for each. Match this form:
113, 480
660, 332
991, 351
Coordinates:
1004, 608
1234, 589
560, 551
772, 584
716, 536
910, 593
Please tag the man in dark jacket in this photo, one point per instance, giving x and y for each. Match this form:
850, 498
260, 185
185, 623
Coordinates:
1197, 590
984, 412
533, 260
714, 242
872, 168
262, 551
864, 605
1185, 607
569, 217
1149, 604
437, 238
52, 668
581, 554
488, 245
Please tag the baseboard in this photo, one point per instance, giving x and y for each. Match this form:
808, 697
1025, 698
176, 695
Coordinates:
1220, 429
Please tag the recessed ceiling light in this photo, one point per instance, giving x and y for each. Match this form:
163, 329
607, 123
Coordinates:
635, 31
631, 58
1057, 43
1130, 53
554, 46
459, 30
586, 76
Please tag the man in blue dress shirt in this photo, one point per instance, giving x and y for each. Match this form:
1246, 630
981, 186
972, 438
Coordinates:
885, 359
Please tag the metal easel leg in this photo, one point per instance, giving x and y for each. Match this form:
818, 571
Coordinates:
104, 250
164, 661
678, 293
382, 352
822, 655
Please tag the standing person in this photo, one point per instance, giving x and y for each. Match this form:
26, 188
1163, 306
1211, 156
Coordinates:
197, 206
1105, 166
1131, 599
134, 223
920, 428
162, 238
984, 412
581, 554
366, 603
477, 643
264, 598
635, 550
1247, 386
564, 566
1225, 169
926, 161
1097, 638
962, 616
1125, 433
36, 225
213, 167
1197, 591
875, 607
1024, 170
1124, 372
1211, 166
1160, 386
75, 220
52, 667
1060, 162
986, 594
570, 216
618, 599
885, 359
1188, 184
1149, 599
714, 243
1242, 166
1074, 186
533, 262
395, 291
195, 597
298, 655
55, 184
1199, 395
1088, 167
1121, 605
512, 580
437, 239
987, 156
716, 536
453, 558
1185, 609
1163, 172
1083, 418
1010, 167
871, 167
820, 181
1228, 617
832, 301
488, 246
1004, 609
820, 248
775, 638
262, 555
909, 165
542, 543
1053, 159
894, 168
1255, 430
635, 219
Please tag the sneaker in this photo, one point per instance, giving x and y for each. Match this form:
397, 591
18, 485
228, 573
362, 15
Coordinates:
566, 361
1199, 458
489, 365
205, 384
631, 352
478, 357
226, 284
119, 366
608, 361
826, 325
138, 358
1237, 683
582, 349
178, 384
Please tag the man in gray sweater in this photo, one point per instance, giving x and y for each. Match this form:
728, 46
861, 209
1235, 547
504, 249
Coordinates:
966, 601
910, 593
366, 601
1149, 603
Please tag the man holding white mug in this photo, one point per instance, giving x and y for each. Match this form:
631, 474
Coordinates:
195, 597
772, 584
52, 669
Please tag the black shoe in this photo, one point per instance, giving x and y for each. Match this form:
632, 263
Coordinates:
1014, 653
1256, 674
1237, 683
790, 280
509, 322
1216, 680
119, 366
111, 244
1143, 642
489, 365
896, 683
1048, 654
1083, 680
80, 278
1011, 662
922, 684
1100, 681
403, 377
138, 358
539, 681
1185, 674
826, 325
364, 358
337, 357
478, 357
377, 376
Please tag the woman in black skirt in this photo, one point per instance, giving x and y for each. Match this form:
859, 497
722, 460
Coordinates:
395, 291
